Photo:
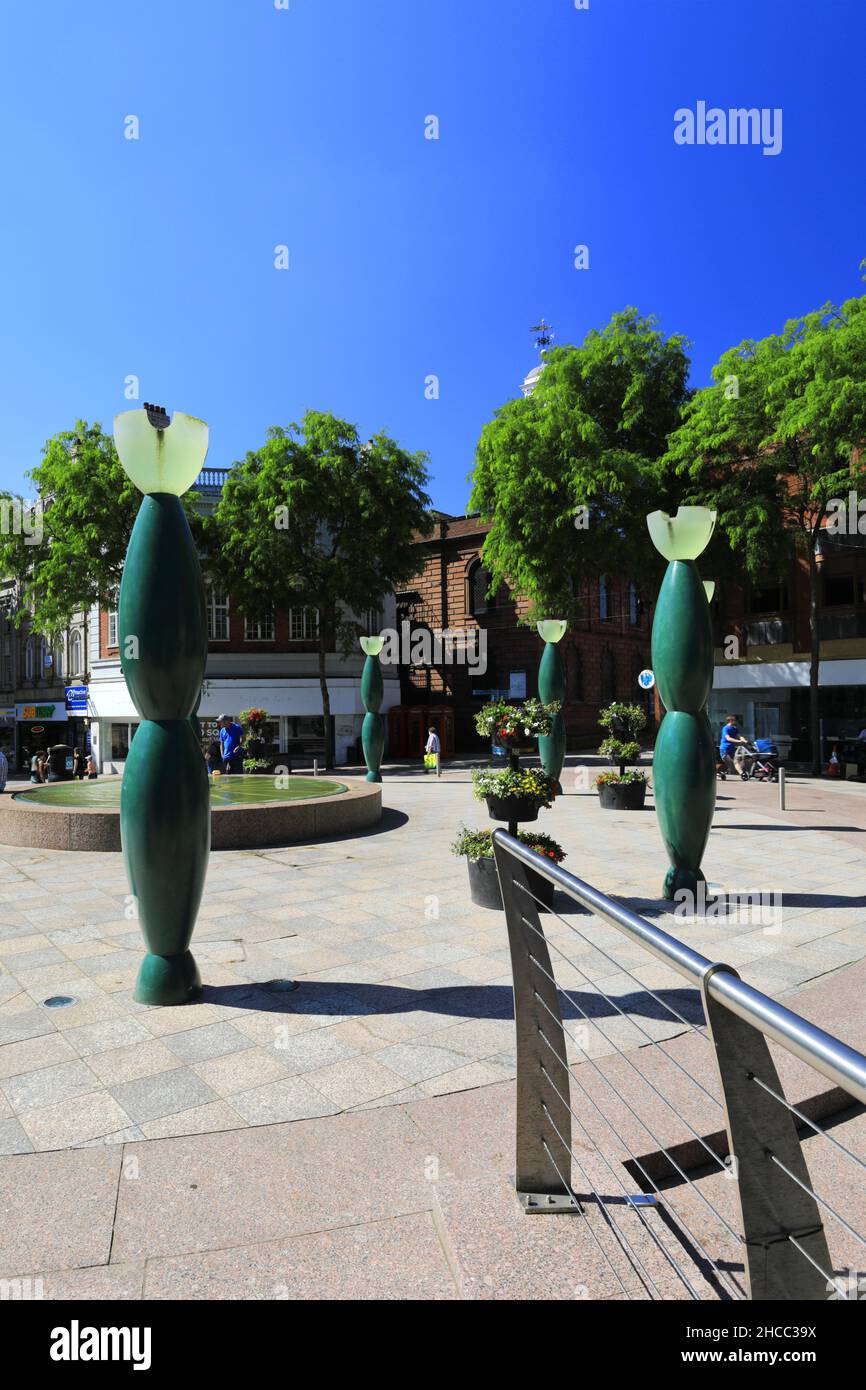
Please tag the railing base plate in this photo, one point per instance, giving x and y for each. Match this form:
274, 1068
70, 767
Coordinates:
549, 1204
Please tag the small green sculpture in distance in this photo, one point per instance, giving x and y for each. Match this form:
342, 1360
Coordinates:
551, 690
372, 694
684, 778
165, 795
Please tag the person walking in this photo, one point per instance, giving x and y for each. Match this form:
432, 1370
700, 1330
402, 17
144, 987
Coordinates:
730, 740
434, 746
230, 744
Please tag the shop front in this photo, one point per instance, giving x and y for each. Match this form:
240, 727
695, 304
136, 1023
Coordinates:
40, 724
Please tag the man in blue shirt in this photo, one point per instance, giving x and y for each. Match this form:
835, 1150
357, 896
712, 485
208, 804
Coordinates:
730, 740
230, 744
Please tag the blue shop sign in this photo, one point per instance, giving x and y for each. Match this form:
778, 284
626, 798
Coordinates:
76, 698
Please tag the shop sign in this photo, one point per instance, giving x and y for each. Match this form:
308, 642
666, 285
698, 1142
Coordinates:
51, 710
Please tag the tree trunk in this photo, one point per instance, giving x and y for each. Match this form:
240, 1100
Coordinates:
326, 705
814, 724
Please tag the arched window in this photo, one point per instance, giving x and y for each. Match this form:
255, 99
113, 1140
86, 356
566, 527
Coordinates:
479, 583
46, 660
58, 658
604, 599
28, 659
75, 647
632, 604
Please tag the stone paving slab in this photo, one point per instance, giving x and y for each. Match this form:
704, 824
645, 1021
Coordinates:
405, 986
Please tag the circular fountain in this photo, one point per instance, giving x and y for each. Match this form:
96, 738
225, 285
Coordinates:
247, 812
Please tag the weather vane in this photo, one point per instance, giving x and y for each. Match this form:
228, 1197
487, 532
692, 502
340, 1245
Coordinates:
544, 336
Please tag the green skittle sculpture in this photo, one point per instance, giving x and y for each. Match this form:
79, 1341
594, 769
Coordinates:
551, 690
372, 694
165, 795
684, 777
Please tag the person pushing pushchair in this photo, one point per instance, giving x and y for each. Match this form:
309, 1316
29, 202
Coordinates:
731, 739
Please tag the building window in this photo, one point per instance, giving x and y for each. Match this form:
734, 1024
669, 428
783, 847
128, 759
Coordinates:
838, 590
304, 625
576, 667
217, 615
46, 658
604, 609
75, 647
120, 739
371, 621
58, 658
8, 678
259, 629
112, 627
632, 605
768, 598
608, 677
479, 583
28, 659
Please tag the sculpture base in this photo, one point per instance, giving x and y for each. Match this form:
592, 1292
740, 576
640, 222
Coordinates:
168, 980
682, 880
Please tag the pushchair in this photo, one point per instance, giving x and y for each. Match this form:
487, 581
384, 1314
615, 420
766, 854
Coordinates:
760, 760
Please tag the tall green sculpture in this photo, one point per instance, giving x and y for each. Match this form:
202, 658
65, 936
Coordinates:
372, 694
551, 688
165, 794
684, 777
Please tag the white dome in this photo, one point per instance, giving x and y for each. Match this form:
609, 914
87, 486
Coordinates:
531, 381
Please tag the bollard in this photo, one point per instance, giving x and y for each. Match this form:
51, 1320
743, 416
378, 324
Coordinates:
438, 765
781, 789
315, 767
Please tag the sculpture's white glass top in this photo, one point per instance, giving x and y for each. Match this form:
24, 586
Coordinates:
552, 629
372, 645
167, 460
684, 536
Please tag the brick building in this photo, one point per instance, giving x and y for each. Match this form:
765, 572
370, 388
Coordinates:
764, 674
603, 652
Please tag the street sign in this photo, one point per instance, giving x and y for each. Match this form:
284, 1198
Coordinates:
646, 680
76, 698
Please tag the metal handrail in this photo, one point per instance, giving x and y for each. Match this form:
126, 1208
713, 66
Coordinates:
786, 1253
834, 1059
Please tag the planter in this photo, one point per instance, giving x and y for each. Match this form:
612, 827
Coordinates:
512, 808
484, 884
622, 796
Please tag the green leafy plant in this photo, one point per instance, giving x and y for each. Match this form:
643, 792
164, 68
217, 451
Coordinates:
623, 722
478, 844
256, 765
634, 774
507, 721
530, 782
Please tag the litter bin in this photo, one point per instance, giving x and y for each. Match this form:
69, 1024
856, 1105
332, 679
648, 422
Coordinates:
60, 763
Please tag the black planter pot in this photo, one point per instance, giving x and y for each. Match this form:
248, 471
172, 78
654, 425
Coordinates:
622, 796
512, 808
484, 884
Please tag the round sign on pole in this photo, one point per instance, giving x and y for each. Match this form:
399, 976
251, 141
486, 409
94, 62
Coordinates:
646, 680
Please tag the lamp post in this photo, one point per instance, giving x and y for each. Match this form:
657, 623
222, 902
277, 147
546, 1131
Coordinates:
551, 687
164, 797
372, 694
684, 775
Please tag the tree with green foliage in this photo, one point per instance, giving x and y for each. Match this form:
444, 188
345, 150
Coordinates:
567, 475
86, 507
316, 519
772, 443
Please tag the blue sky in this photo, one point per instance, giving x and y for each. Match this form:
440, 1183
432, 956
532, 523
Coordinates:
408, 257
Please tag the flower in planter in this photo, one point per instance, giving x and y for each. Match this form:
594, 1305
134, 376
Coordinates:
503, 720
530, 783
606, 779
478, 844
623, 723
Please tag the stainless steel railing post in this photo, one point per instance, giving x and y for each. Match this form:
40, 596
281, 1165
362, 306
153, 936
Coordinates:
773, 1207
543, 1119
